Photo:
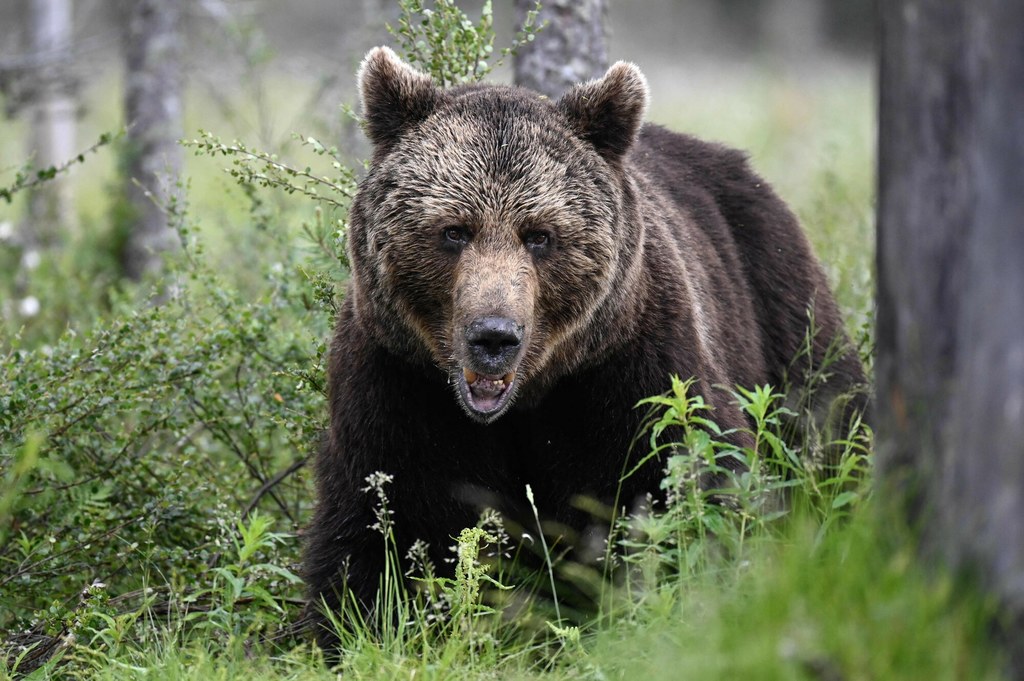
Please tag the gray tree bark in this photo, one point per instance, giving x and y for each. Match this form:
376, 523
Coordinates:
950, 368
153, 112
572, 48
52, 136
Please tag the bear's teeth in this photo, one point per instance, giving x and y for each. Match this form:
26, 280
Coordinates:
473, 378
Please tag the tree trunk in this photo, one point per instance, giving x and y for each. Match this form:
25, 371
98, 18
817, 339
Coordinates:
571, 48
950, 368
53, 108
153, 50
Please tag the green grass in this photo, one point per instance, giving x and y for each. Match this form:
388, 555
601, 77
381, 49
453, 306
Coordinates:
852, 605
841, 608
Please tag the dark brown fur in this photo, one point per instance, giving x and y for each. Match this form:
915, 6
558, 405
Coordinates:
662, 255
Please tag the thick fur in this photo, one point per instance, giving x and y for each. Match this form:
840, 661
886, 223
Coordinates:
661, 254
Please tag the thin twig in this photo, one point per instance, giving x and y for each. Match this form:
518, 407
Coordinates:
271, 483
22, 181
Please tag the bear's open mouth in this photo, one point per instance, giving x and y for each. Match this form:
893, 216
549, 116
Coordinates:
485, 395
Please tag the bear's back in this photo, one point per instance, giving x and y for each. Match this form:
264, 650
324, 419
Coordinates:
714, 189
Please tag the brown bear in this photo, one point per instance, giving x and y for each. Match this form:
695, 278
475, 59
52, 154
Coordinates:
524, 271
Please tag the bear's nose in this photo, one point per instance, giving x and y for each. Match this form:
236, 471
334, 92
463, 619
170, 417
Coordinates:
494, 343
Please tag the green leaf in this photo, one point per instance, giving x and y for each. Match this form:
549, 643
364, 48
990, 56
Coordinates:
844, 499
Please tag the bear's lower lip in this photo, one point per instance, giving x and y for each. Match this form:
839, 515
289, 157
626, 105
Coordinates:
485, 395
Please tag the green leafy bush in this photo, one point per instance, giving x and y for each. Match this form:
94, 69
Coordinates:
115, 444
446, 44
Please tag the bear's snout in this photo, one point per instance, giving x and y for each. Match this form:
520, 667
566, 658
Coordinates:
492, 351
493, 344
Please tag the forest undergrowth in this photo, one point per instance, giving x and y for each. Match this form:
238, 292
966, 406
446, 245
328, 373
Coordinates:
155, 442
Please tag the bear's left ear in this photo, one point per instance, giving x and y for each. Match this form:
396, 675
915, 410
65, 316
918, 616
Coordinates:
609, 111
395, 96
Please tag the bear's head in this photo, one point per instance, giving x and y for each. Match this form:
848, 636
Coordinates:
493, 232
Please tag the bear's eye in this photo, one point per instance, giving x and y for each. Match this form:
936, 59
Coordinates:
537, 239
455, 236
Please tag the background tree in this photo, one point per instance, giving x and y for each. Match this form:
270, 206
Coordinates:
950, 367
153, 113
572, 47
53, 108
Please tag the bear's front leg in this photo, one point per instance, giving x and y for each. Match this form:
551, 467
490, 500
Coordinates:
344, 562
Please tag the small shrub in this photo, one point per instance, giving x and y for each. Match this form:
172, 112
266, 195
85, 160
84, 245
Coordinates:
712, 511
446, 44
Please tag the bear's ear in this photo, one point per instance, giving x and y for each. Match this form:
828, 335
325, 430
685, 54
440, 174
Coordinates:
395, 96
608, 112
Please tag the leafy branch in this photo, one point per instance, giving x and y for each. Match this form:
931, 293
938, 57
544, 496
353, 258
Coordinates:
444, 42
254, 167
28, 177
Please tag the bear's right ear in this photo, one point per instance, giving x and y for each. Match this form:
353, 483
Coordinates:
395, 96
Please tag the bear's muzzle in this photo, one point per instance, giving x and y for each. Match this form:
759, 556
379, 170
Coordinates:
493, 347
